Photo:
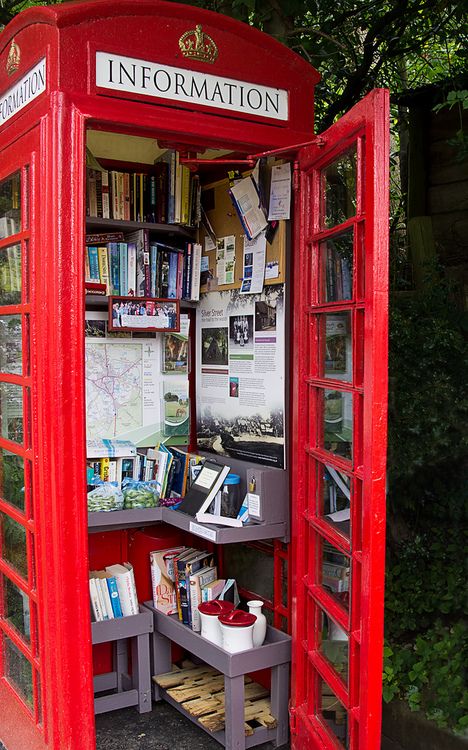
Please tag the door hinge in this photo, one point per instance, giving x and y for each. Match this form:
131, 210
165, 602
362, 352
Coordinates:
292, 720
296, 177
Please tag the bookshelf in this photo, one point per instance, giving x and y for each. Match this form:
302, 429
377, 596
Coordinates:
274, 654
97, 224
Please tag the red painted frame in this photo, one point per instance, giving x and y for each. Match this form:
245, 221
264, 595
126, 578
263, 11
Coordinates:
365, 127
68, 36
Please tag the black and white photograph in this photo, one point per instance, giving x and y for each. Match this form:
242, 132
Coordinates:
240, 332
215, 346
265, 316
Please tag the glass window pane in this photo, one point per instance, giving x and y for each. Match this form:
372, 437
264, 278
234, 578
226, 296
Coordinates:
18, 671
11, 412
17, 608
11, 346
13, 538
12, 478
334, 715
336, 344
339, 181
10, 206
338, 422
336, 262
334, 569
251, 569
334, 498
10, 275
334, 645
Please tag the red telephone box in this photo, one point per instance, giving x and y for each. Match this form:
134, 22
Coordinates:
197, 80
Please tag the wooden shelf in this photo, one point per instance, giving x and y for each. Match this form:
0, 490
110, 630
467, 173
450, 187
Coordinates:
97, 225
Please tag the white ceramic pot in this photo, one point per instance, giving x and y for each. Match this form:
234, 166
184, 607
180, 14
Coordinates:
237, 631
209, 613
260, 626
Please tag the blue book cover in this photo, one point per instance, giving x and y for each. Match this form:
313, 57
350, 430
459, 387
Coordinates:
123, 257
114, 596
154, 269
93, 264
114, 266
172, 279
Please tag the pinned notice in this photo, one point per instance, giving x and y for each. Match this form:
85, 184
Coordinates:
247, 202
280, 192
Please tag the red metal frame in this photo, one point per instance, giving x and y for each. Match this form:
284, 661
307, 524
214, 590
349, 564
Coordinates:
366, 127
59, 118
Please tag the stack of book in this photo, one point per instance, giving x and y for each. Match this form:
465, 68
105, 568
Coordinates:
140, 267
339, 280
166, 193
112, 592
182, 578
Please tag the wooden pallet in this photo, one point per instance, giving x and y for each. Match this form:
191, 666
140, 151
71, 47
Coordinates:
200, 691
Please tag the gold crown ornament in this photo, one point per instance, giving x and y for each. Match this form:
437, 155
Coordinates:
197, 45
13, 59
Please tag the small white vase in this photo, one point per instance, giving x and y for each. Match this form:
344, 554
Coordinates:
260, 627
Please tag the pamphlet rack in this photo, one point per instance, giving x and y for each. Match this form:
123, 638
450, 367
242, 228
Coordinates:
134, 690
275, 653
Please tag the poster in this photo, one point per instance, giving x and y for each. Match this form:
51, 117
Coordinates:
136, 385
240, 375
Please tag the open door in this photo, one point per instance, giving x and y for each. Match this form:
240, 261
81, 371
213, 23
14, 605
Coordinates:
339, 428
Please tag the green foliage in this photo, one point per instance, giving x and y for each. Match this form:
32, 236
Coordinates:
430, 674
428, 375
425, 581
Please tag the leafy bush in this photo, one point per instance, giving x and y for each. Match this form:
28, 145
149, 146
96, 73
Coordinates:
430, 674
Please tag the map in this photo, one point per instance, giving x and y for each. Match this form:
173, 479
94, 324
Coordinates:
114, 388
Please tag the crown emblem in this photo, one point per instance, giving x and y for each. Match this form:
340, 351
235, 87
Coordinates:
13, 59
197, 45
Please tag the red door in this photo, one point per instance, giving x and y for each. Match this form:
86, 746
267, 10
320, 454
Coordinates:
340, 336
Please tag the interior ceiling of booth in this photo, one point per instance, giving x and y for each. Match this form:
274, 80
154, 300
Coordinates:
106, 145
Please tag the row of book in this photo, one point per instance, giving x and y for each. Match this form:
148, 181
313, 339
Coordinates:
184, 577
165, 193
172, 469
339, 280
139, 267
113, 592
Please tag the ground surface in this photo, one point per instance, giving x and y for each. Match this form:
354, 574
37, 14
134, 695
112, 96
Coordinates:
162, 729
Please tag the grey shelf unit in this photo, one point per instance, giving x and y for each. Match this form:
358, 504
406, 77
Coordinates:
275, 654
128, 690
127, 519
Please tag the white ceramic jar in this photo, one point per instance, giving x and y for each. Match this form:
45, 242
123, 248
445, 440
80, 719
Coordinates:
260, 626
209, 613
237, 631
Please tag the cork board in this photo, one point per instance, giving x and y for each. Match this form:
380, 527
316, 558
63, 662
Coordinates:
225, 222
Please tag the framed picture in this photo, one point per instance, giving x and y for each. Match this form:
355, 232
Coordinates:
143, 314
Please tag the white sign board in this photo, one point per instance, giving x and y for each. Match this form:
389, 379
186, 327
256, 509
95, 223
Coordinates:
24, 91
134, 76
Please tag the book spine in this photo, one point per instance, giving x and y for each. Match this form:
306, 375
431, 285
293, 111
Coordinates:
146, 262
92, 195
172, 182
114, 186
93, 265
180, 275
100, 596
196, 270
95, 602
152, 198
185, 194
103, 262
177, 189
121, 194
161, 173
132, 268
126, 196
188, 279
184, 585
114, 262
105, 196
98, 194
195, 600
112, 473
104, 469
102, 582
154, 269
126, 594
114, 596
123, 268
87, 266
141, 197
